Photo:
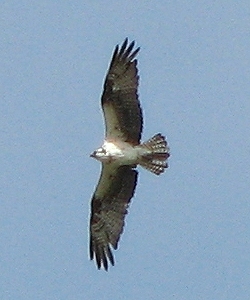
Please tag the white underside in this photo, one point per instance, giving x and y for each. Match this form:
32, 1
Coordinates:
151, 155
119, 152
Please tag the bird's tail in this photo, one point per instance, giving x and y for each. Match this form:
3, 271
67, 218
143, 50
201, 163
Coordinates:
156, 153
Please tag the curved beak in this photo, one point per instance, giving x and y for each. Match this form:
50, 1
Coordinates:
93, 154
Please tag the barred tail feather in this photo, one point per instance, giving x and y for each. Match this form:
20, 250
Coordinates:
156, 154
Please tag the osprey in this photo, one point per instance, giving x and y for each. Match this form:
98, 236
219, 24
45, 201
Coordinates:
120, 154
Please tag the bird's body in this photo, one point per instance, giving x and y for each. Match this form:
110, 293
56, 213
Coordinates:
120, 154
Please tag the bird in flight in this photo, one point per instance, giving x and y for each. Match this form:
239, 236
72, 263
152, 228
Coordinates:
120, 154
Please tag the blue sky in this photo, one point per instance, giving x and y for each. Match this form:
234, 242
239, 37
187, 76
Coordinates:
187, 233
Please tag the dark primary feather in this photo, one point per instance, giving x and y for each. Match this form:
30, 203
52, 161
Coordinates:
108, 209
121, 106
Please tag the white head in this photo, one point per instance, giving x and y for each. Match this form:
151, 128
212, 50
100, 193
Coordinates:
107, 152
100, 154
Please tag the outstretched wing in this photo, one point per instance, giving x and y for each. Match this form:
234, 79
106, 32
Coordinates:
108, 209
120, 104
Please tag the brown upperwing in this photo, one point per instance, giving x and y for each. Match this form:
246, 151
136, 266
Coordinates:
120, 103
108, 209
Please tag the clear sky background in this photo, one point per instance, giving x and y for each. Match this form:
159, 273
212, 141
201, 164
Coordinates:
187, 232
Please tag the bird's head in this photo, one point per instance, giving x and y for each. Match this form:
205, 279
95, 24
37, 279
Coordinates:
107, 153
100, 154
